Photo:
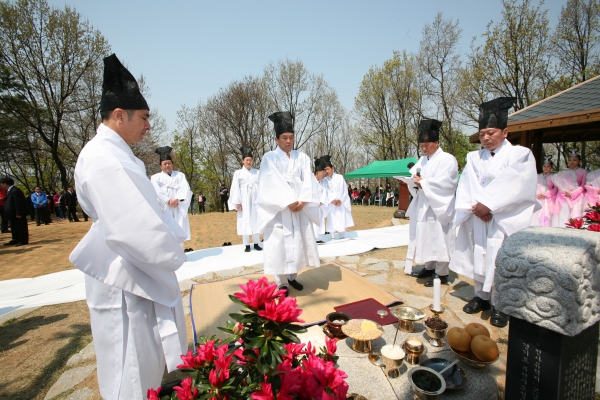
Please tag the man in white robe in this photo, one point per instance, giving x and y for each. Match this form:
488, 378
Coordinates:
242, 197
288, 203
173, 189
129, 256
432, 185
323, 203
495, 198
340, 212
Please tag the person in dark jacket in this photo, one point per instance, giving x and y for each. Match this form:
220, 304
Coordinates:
71, 204
15, 209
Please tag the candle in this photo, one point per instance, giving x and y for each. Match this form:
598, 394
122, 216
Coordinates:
436, 294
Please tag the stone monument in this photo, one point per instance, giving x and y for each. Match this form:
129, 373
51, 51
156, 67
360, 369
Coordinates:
547, 281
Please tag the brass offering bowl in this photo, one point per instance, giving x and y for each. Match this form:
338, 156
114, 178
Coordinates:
392, 365
362, 338
469, 358
420, 393
407, 316
333, 326
413, 348
436, 336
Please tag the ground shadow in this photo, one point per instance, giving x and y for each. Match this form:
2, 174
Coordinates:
11, 332
18, 250
45, 378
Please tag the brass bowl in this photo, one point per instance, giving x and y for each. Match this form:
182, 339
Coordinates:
422, 394
413, 348
469, 358
333, 328
436, 336
361, 343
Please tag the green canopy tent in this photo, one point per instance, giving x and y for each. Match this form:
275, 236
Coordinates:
387, 169
383, 169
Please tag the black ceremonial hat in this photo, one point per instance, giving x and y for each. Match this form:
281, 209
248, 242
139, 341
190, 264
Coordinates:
319, 165
164, 153
429, 130
119, 88
246, 152
494, 114
327, 160
283, 122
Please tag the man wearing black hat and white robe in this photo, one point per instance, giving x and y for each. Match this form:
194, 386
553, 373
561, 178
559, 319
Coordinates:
288, 201
173, 189
494, 199
340, 208
433, 185
242, 197
129, 256
323, 202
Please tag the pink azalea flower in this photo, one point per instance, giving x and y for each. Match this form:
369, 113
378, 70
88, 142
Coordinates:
593, 216
222, 361
293, 350
154, 394
594, 227
575, 223
257, 293
331, 345
291, 381
284, 311
217, 377
185, 391
206, 352
190, 361
266, 392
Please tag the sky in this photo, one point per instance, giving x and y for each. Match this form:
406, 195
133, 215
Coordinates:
188, 50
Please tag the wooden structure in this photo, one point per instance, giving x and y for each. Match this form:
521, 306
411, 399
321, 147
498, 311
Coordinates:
572, 115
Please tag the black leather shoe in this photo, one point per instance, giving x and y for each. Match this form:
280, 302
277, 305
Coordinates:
320, 242
257, 247
498, 318
247, 249
476, 305
296, 285
443, 280
425, 273
284, 288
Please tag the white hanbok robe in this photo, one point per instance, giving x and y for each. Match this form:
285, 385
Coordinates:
506, 184
175, 187
129, 257
592, 188
289, 242
323, 208
244, 191
341, 216
431, 237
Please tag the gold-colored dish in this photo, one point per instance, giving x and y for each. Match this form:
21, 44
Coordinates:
469, 358
408, 313
357, 329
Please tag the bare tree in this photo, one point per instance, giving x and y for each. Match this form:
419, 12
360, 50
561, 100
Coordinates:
292, 88
441, 63
49, 51
577, 40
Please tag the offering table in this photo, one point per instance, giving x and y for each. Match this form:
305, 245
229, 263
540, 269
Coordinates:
371, 382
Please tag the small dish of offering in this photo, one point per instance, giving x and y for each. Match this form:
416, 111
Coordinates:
455, 377
362, 331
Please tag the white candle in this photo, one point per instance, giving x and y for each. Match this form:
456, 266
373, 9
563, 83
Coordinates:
436, 294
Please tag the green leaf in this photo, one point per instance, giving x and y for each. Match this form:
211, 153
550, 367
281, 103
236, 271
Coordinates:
257, 342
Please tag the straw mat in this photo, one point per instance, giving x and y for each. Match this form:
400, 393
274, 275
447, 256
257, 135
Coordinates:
324, 288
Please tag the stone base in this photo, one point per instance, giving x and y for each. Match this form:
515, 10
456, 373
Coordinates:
542, 364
